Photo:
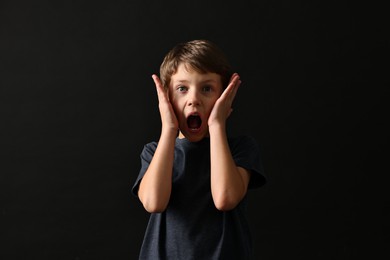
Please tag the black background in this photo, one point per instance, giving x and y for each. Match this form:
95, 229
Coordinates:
77, 104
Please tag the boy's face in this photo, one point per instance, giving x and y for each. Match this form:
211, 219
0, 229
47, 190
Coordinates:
193, 96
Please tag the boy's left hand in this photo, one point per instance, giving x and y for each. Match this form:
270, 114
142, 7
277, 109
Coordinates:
223, 106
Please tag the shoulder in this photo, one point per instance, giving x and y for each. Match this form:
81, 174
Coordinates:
149, 149
151, 145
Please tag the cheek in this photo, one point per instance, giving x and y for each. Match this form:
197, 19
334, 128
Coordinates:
175, 104
210, 105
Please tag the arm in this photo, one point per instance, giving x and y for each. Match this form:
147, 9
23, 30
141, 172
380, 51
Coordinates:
229, 183
155, 187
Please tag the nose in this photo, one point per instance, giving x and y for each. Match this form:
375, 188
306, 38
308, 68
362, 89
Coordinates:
194, 98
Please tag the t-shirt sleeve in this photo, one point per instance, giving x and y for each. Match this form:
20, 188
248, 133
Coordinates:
247, 154
146, 157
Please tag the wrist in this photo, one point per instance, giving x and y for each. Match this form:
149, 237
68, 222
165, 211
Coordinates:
169, 132
217, 128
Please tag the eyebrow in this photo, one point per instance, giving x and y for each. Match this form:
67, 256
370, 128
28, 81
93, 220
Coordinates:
202, 82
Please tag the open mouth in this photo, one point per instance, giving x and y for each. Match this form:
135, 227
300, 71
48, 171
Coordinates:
194, 122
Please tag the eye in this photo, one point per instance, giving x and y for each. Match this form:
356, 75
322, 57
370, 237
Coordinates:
182, 88
206, 88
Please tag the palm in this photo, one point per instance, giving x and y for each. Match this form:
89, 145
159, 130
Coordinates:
223, 106
167, 114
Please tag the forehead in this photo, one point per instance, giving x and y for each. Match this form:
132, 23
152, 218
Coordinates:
186, 73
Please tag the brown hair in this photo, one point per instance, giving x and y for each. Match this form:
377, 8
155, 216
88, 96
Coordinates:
201, 55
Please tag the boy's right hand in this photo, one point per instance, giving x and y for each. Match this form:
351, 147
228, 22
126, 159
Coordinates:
168, 117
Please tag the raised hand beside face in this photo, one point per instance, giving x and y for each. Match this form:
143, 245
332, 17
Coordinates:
223, 106
168, 117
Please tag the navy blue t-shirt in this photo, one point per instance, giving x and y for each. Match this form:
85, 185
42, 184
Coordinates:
191, 227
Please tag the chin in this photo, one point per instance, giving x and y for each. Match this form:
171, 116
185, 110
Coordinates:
192, 137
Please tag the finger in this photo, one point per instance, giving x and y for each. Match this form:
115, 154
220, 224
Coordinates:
157, 82
228, 89
231, 91
230, 112
234, 75
235, 89
161, 93
234, 80
232, 94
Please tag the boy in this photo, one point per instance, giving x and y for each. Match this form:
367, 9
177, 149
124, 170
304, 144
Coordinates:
194, 180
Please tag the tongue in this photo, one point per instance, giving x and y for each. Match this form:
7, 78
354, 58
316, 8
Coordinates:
194, 122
